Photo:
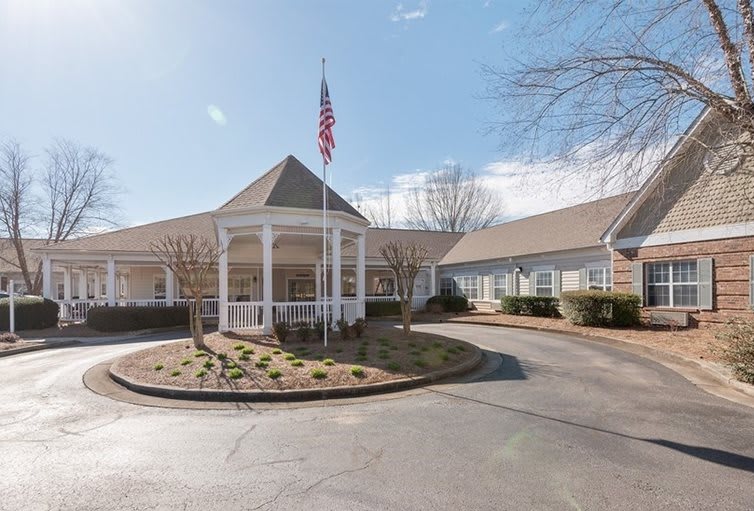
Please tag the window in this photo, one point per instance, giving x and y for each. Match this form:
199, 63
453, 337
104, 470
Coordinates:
159, 287
672, 284
543, 283
60, 287
447, 286
599, 278
348, 285
384, 286
499, 286
469, 286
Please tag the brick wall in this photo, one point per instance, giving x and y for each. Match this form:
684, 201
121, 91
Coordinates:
730, 268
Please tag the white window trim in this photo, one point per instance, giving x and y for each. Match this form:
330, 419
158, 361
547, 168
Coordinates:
452, 285
474, 285
605, 272
551, 287
155, 277
495, 287
670, 284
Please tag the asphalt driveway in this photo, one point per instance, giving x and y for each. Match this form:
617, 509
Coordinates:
563, 424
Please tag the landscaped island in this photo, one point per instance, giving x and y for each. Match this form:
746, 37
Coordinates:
257, 363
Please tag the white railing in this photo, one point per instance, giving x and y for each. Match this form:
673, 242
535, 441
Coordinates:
295, 312
386, 298
76, 310
142, 303
244, 315
417, 302
210, 306
350, 310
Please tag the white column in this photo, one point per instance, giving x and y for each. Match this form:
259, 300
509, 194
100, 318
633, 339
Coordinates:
83, 278
336, 278
97, 285
267, 278
361, 273
222, 282
433, 279
110, 282
46, 277
318, 281
170, 286
67, 282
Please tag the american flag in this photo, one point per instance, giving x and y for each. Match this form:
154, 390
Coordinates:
326, 122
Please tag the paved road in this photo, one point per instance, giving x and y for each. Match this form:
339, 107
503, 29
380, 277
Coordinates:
564, 424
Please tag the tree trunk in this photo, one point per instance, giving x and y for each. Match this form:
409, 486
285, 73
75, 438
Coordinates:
197, 329
406, 315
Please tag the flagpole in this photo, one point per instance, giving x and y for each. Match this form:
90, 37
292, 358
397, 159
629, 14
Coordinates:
324, 234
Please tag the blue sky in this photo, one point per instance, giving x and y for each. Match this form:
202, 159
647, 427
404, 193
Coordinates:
194, 100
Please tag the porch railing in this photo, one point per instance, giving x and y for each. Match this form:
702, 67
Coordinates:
77, 310
244, 315
417, 302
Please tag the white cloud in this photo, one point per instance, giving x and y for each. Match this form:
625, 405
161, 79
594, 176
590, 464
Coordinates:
217, 115
499, 27
400, 13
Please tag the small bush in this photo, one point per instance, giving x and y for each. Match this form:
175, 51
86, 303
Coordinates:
208, 364
175, 372
540, 306
601, 308
30, 313
449, 303
277, 351
200, 353
444, 357
304, 330
244, 356
394, 366
289, 356
383, 341
359, 326
274, 374
124, 319
247, 351
9, 338
343, 329
738, 351
452, 350
222, 356
201, 373
437, 344
186, 361
230, 365
357, 371
265, 358
361, 358
318, 373
235, 373
280, 331
159, 367
262, 364
328, 362
420, 363
297, 363
460, 347
377, 309
319, 327
384, 356
239, 346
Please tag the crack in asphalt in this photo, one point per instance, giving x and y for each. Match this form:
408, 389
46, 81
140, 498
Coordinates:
373, 456
237, 443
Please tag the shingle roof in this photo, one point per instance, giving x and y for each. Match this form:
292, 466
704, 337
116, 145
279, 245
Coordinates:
138, 239
288, 184
438, 243
9, 258
565, 229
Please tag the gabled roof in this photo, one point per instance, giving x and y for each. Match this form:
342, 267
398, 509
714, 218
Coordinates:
138, 239
564, 229
289, 184
9, 258
437, 243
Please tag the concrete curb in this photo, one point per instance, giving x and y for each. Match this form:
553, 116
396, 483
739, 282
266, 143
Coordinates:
677, 362
37, 347
350, 391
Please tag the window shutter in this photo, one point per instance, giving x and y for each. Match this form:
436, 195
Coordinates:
556, 284
582, 278
532, 281
704, 266
509, 283
637, 280
751, 281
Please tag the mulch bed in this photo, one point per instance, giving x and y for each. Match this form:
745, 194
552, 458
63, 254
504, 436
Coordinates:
4, 346
385, 354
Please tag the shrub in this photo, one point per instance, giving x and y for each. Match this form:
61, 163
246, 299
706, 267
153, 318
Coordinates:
319, 326
359, 326
123, 319
185, 361
289, 356
304, 330
449, 303
377, 309
9, 337
280, 331
738, 352
434, 308
200, 353
420, 363
235, 373
208, 364
452, 351
265, 358
460, 347
262, 364
601, 308
394, 366
297, 363
230, 365
357, 371
30, 313
201, 373
244, 356
159, 367
175, 372
444, 357
343, 329
274, 374
318, 373
239, 346
541, 306
247, 351
328, 362
222, 356
383, 341
277, 351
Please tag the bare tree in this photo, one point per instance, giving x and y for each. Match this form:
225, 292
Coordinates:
190, 258
378, 210
452, 199
405, 259
610, 85
78, 195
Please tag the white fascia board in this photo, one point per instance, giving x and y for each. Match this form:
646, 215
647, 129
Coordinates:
687, 236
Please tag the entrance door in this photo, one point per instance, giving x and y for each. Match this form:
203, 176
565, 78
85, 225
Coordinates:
301, 290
